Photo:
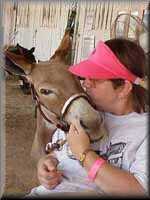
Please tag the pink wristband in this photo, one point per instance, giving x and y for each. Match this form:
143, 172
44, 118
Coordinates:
95, 167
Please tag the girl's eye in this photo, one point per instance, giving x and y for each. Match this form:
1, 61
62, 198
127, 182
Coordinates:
81, 78
45, 91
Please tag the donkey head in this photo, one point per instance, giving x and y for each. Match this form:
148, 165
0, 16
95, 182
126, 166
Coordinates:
54, 85
13, 61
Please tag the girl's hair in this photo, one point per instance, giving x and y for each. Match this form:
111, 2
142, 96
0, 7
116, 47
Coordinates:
132, 56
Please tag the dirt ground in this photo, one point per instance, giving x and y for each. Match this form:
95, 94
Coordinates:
20, 128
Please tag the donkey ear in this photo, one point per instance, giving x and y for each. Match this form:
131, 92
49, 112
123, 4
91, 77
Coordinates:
64, 48
32, 50
17, 64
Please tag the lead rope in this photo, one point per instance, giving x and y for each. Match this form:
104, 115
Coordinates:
56, 145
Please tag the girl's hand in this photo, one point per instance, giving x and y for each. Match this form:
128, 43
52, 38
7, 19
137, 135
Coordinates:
47, 172
78, 139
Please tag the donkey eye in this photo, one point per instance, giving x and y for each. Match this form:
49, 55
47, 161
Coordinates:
45, 91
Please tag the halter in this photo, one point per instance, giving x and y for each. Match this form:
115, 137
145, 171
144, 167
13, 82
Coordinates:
53, 118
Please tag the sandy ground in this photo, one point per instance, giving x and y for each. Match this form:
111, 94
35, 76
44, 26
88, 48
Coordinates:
20, 128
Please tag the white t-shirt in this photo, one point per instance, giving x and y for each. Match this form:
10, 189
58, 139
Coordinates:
125, 147
127, 144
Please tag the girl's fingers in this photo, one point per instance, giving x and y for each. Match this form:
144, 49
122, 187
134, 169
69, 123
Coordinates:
50, 184
46, 167
50, 179
50, 165
50, 174
77, 126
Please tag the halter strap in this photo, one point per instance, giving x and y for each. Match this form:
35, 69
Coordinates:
70, 100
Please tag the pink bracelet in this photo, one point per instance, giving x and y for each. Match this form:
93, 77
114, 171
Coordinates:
95, 167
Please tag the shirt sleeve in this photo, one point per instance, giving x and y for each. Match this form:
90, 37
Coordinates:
140, 165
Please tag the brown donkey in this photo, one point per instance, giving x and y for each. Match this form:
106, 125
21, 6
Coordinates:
58, 94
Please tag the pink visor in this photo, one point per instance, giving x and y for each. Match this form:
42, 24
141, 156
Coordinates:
103, 64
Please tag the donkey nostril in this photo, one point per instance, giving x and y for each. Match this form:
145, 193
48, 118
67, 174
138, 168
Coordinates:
82, 124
